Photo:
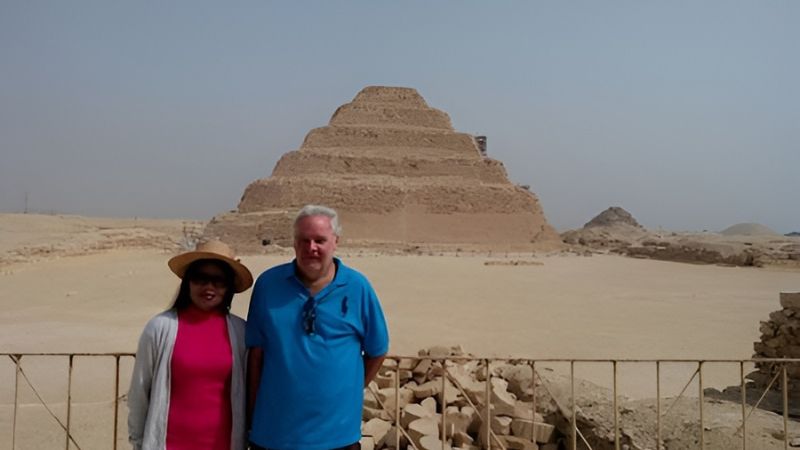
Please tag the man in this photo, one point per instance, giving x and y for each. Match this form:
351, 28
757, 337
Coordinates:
316, 336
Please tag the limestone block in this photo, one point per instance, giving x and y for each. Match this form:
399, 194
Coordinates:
428, 389
503, 402
368, 413
429, 404
458, 422
790, 300
776, 342
474, 389
392, 436
369, 400
766, 329
387, 397
524, 410
407, 364
501, 424
378, 429
474, 419
520, 380
422, 367
517, 443
430, 442
791, 351
367, 443
778, 317
544, 432
422, 427
461, 439
384, 381
436, 370
439, 351
412, 412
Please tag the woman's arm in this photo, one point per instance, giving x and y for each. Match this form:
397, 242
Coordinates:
141, 381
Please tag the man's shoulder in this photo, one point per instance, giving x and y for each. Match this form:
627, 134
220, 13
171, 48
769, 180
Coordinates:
352, 276
275, 272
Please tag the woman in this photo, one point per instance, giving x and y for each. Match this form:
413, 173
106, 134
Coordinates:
187, 389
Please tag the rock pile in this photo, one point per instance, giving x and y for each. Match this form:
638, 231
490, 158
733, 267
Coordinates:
420, 403
399, 174
780, 338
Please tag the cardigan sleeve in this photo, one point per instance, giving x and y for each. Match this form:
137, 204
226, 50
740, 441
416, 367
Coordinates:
141, 382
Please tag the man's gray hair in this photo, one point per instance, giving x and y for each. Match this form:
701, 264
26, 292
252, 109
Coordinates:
319, 210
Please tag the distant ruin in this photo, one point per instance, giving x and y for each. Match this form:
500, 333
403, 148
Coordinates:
399, 175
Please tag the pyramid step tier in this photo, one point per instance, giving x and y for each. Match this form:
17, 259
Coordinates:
445, 141
377, 194
391, 115
250, 233
399, 165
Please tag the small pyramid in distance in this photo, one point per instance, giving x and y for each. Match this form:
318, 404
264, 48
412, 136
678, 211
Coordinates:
398, 174
614, 215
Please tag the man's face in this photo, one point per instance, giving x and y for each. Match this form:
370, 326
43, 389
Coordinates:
314, 246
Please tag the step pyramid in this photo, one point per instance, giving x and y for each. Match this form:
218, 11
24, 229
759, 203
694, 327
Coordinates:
399, 175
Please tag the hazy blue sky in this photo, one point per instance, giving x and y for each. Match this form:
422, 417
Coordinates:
687, 114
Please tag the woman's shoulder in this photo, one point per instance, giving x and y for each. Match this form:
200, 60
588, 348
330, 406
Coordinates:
236, 320
162, 321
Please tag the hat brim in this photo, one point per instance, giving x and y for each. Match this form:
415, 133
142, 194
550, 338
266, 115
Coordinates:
242, 278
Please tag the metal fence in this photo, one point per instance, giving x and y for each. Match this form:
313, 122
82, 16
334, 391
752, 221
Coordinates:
576, 437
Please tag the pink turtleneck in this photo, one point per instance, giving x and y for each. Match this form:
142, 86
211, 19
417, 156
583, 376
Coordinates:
200, 390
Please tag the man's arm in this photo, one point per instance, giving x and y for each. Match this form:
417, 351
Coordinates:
371, 367
255, 358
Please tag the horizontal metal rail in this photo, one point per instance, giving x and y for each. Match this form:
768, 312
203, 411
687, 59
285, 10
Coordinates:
569, 413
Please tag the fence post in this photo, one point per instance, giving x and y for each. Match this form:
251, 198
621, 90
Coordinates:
701, 397
744, 405
116, 401
658, 405
616, 408
785, 408
17, 360
69, 402
574, 418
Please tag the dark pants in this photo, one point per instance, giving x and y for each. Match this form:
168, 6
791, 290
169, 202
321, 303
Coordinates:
356, 446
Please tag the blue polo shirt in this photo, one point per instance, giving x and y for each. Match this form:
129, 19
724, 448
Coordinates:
311, 390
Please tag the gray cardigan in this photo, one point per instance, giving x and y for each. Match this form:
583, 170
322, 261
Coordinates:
148, 397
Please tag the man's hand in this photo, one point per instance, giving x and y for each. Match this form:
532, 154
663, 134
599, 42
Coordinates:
255, 359
371, 368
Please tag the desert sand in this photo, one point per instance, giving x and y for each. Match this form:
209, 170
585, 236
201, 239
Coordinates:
550, 306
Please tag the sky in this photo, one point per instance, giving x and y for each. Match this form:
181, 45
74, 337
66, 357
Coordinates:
685, 113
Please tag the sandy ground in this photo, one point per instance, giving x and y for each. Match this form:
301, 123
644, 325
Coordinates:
567, 307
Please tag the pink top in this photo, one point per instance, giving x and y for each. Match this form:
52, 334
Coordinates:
200, 389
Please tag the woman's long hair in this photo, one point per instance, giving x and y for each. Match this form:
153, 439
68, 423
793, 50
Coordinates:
184, 298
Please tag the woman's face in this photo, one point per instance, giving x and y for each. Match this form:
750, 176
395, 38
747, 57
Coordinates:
207, 287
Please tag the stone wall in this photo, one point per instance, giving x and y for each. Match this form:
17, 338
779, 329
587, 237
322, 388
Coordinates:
780, 338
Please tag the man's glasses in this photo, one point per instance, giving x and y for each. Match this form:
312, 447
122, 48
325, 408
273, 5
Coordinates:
201, 279
310, 316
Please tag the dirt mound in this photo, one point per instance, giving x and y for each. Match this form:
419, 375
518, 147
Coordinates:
748, 229
399, 175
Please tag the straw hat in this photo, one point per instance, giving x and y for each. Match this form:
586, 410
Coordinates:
219, 251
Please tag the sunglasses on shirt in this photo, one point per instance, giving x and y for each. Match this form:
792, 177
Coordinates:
310, 316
